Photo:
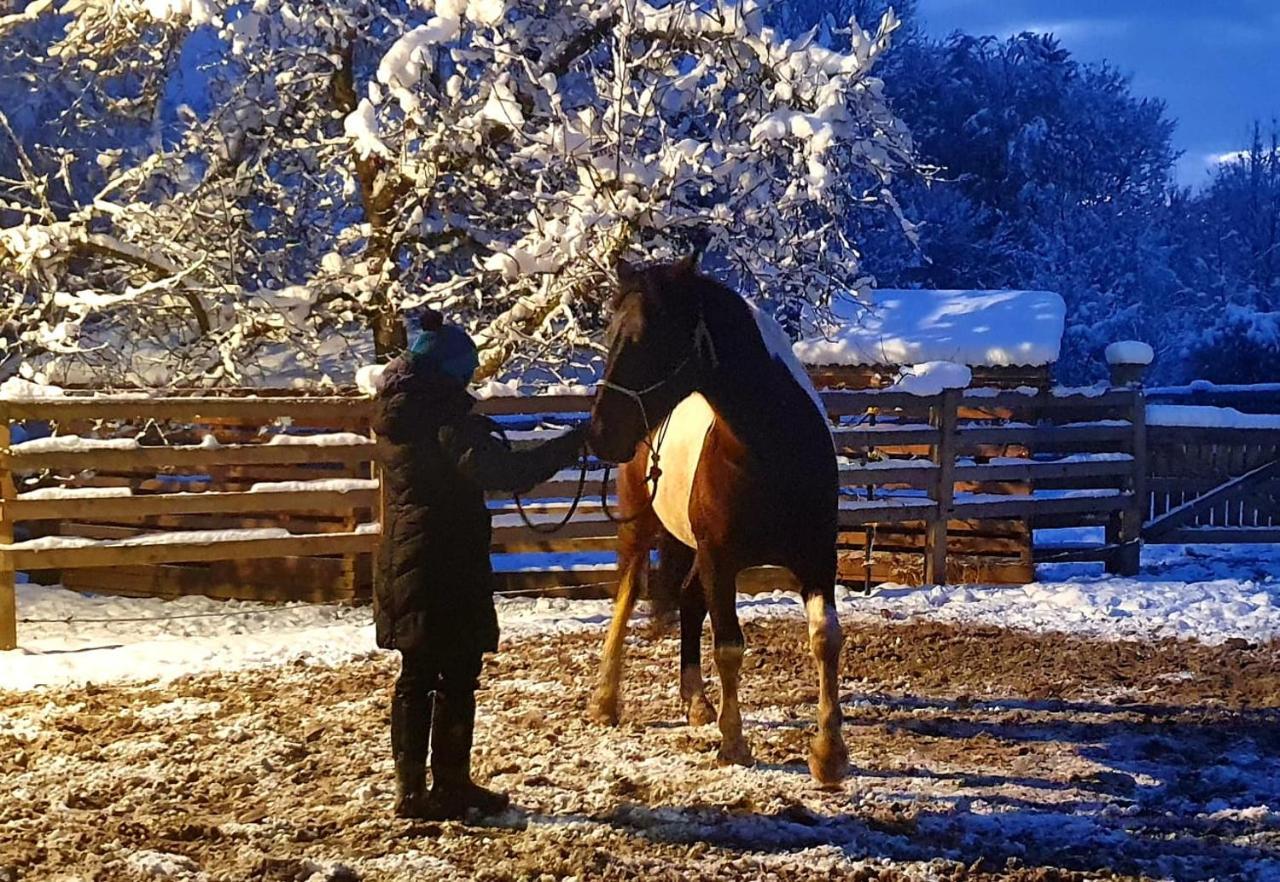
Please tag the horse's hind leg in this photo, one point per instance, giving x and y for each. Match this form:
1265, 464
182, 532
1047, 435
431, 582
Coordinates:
677, 563
828, 757
674, 561
719, 583
634, 543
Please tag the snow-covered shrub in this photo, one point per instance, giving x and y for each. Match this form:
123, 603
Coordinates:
1243, 347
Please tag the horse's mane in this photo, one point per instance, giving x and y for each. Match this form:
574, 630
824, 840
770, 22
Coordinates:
751, 318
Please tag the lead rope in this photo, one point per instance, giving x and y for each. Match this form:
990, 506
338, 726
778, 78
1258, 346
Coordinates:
655, 474
548, 529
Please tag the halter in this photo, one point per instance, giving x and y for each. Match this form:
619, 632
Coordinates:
637, 395
703, 346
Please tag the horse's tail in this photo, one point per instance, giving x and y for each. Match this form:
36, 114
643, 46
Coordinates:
675, 560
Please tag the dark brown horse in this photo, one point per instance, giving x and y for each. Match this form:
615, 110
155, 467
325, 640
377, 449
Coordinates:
745, 485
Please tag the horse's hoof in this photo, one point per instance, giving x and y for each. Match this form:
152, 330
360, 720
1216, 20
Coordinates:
736, 754
828, 761
605, 711
701, 712
663, 623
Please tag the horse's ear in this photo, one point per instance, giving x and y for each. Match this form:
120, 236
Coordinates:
686, 266
629, 278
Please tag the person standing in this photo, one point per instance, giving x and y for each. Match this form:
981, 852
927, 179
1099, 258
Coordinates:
433, 591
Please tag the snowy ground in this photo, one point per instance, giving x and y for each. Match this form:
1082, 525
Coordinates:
978, 753
1207, 593
1054, 732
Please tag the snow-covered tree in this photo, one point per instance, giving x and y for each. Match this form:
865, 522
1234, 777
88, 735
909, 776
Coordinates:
1053, 175
224, 191
1228, 239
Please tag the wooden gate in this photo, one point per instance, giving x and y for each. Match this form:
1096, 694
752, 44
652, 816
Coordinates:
1213, 485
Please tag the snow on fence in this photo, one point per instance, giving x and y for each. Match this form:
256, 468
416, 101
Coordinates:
943, 487
1254, 398
132, 505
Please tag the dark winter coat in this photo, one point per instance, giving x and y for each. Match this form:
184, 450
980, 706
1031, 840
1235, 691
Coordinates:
433, 590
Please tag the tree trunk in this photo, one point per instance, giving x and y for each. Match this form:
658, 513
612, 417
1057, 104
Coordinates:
389, 335
381, 190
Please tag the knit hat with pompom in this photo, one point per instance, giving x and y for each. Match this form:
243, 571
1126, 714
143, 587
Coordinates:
448, 348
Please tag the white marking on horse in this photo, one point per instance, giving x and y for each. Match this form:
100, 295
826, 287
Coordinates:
686, 430
823, 619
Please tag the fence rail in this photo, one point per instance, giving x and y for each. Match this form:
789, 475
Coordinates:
111, 509
336, 412
210, 502
1257, 398
943, 487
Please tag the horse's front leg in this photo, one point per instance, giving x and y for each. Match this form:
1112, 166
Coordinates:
828, 757
719, 583
633, 566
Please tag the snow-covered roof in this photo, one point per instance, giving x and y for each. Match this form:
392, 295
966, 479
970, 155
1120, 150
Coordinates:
976, 328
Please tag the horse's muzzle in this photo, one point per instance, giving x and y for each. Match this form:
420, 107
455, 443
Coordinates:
610, 448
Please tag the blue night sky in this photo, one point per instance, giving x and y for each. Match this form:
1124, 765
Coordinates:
1216, 63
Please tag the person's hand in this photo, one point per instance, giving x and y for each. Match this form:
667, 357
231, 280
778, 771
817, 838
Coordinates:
575, 442
579, 435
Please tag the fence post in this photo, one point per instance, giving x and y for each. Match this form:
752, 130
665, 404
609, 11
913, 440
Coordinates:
380, 514
1124, 528
944, 418
1133, 518
350, 521
8, 578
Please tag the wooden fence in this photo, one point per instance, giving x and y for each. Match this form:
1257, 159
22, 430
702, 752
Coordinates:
1213, 484
283, 507
947, 487
231, 497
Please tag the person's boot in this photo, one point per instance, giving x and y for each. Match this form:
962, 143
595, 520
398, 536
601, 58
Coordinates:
410, 722
453, 793
411, 788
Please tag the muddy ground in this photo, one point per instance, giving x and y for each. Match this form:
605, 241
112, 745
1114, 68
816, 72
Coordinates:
978, 753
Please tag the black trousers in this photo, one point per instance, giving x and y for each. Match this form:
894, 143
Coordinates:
422, 676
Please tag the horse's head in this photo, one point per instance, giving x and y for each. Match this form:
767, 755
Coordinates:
653, 342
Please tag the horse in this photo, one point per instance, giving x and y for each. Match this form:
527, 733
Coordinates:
729, 467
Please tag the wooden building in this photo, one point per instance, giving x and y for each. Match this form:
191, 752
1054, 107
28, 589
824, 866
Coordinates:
1008, 340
